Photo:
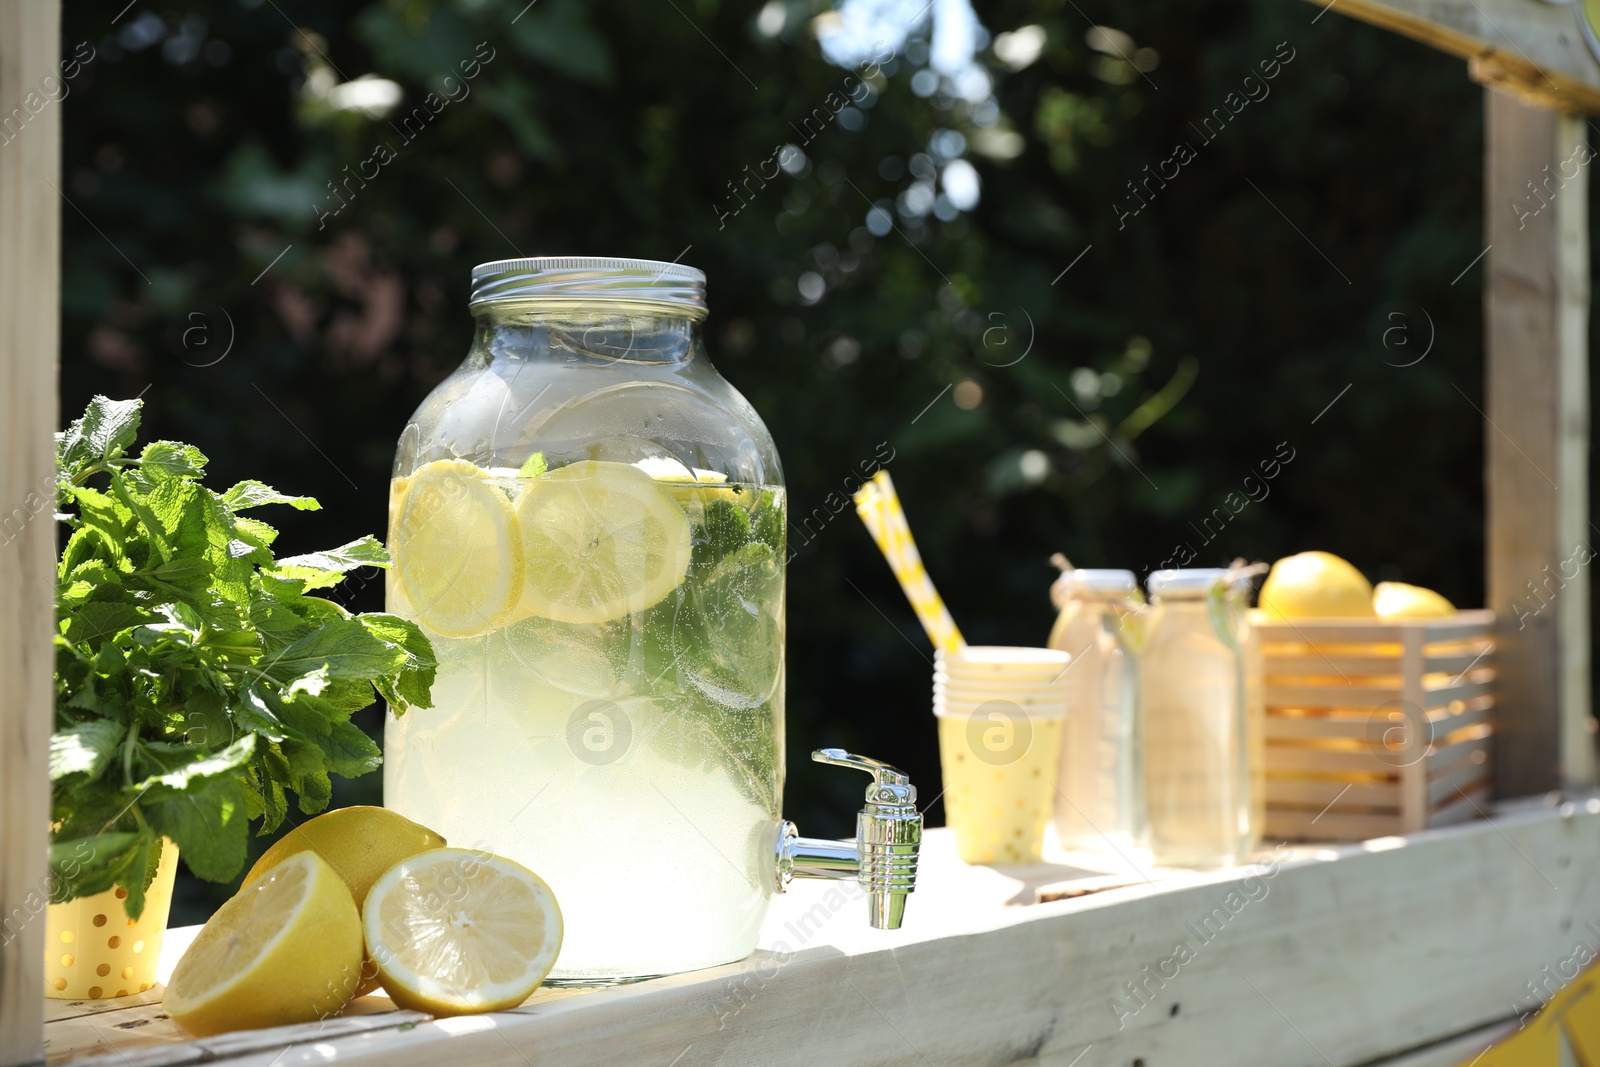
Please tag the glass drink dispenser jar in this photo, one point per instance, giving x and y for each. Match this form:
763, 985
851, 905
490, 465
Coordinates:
589, 523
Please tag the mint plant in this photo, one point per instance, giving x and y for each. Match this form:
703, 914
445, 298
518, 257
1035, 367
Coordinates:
198, 678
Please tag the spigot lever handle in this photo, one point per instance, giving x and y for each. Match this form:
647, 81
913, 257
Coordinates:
882, 773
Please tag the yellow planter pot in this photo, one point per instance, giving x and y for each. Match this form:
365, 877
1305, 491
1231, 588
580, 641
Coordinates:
93, 950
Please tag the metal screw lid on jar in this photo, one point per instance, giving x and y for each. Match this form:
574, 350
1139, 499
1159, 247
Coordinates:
1092, 582
585, 279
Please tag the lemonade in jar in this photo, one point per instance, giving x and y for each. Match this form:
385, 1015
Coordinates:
589, 523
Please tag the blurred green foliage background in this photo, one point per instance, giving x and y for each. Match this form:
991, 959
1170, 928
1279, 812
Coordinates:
1106, 411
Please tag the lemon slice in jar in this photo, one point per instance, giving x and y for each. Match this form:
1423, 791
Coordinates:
456, 549
600, 540
456, 931
692, 488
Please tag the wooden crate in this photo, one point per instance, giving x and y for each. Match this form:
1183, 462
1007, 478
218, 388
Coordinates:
1376, 727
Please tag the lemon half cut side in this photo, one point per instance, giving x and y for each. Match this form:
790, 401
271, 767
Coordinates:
286, 949
456, 549
600, 540
360, 842
456, 931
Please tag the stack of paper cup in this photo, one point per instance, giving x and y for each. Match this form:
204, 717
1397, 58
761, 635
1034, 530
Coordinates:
1000, 714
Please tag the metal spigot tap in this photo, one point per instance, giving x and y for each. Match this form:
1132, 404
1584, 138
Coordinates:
882, 858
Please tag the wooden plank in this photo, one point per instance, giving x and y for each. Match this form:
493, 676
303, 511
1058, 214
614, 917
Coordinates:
1448, 786
1456, 663
1316, 696
1443, 723
1318, 793
1316, 759
1300, 695
1468, 913
1454, 1051
1453, 662
1468, 805
1533, 50
1414, 772
30, 253
1475, 684
1462, 626
1362, 725
1333, 825
1301, 664
1467, 743
150, 1038
1536, 306
1355, 727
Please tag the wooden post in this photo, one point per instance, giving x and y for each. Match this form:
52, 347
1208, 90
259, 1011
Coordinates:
1538, 539
30, 247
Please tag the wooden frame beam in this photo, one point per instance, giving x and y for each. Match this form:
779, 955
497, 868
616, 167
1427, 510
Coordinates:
1538, 538
1531, 49
30, 253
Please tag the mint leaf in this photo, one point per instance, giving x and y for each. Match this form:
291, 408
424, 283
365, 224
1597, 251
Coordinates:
183, 572
104, 432
726, 527
84, 748
768, 523
533, 466
253, 531
365, 552
253, 494
309, 777
180, 765
322, 569
349, 752
138, 875
414, 683
90, 864
344, 647
96, 621
273, 772
172, 459
206, 822
206, 722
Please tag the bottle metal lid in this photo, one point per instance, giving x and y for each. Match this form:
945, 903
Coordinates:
1091, 582
588, 279
1189, 582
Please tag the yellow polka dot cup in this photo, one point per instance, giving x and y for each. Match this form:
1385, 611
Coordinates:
93, 950
1000, 714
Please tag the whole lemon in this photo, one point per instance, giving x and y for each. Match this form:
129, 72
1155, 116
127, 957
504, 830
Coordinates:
1311, 585
359, 843
1397, 600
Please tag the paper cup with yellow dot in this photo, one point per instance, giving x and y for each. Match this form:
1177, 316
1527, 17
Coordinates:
93, 950
1000, 712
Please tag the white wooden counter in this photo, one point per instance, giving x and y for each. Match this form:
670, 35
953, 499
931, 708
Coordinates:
1416, 949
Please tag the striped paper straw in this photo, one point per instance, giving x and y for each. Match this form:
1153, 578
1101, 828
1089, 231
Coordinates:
884, 519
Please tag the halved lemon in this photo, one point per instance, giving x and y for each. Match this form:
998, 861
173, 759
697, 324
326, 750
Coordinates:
456, 549
600, 540
455, 931
286, 949
361, 842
